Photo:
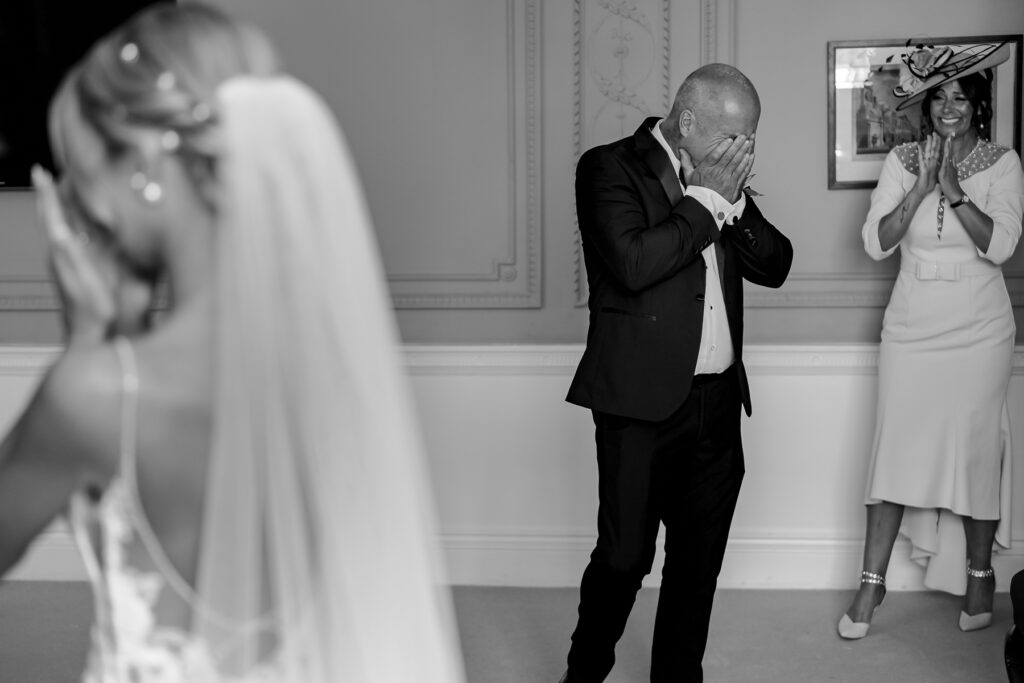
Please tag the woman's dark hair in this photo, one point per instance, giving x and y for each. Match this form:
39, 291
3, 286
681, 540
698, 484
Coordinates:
977, 89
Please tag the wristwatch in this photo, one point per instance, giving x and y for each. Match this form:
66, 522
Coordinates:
963, 200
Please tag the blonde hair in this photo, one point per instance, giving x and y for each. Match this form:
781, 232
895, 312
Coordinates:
160, 70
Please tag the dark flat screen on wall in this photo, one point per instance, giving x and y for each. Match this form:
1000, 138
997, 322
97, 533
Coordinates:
39, 41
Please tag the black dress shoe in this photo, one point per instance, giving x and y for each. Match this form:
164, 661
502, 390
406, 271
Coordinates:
1013, 654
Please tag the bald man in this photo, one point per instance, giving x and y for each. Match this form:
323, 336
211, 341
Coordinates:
668, 237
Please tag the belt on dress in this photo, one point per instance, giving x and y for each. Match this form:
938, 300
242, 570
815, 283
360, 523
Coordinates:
930, 270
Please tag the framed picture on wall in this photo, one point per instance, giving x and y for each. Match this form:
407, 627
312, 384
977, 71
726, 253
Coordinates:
39, 41
868, 116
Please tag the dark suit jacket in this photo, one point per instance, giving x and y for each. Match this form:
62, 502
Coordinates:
642, 243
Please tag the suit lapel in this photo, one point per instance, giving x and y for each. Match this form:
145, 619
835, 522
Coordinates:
654, 157
720, 255
732, 312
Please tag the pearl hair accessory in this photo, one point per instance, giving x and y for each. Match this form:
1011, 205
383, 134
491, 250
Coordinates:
150, 190
201, 112
170, 141
166, 81
129, 53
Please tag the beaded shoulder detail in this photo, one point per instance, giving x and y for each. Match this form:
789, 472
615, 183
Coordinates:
982, 157
908, 155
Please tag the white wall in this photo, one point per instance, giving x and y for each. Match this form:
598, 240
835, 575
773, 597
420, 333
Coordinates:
514, 470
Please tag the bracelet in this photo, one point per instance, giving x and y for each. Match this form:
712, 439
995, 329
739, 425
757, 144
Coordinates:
980, 573
960, 202
872, 577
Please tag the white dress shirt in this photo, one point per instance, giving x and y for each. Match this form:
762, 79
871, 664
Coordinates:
716, 352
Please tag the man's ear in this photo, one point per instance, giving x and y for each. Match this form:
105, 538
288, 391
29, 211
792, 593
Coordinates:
687, 122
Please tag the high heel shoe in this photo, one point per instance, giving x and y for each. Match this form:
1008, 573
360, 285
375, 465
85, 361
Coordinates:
976, 622
855, 630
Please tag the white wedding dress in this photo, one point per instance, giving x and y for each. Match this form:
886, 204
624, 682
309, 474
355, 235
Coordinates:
132, 577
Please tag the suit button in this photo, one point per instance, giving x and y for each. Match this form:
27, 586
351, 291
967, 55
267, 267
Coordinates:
699, 297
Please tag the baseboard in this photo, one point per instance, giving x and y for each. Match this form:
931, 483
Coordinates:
752, 563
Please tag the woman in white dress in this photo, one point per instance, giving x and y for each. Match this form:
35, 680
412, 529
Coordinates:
940, 468
242, 473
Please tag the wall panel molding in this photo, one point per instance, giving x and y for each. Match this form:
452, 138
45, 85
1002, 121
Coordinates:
514, 278
621, 75
718, 31
27, 295
507, 271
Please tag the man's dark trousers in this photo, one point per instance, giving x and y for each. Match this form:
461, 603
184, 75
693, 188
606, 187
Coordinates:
684, 471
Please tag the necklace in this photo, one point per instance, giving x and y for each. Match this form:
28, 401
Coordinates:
941, 212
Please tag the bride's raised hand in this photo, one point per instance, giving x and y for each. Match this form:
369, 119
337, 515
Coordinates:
87, 297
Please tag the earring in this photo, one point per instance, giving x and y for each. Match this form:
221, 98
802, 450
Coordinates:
150, 190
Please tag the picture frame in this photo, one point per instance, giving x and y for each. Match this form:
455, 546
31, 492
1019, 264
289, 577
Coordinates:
44, 39
863, 123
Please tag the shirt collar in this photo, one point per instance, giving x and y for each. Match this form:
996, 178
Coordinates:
660, 137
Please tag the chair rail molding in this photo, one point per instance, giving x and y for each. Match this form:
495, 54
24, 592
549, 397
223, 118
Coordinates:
27, 295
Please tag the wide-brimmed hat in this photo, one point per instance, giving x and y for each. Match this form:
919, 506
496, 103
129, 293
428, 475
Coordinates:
925, 66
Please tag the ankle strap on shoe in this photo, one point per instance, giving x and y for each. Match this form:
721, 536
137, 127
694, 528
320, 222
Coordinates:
872, 577
980, 573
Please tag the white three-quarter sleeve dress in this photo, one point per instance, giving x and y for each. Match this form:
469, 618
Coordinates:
942, 436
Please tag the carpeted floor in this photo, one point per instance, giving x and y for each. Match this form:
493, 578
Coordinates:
514, 635
520, 635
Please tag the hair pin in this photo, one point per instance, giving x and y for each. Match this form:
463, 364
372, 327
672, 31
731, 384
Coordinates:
165, 81
201, 112
170, 140
129, 53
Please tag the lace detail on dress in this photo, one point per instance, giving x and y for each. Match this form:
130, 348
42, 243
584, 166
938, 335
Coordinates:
983, 156
128, 642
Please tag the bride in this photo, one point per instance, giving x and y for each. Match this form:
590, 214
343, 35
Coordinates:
241, 470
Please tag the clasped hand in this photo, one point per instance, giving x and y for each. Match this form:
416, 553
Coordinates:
99, 295
725, 169
935, 159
